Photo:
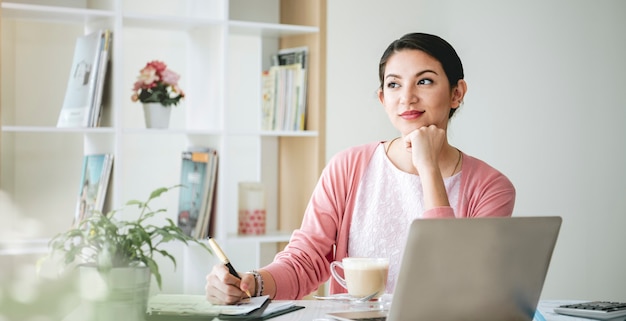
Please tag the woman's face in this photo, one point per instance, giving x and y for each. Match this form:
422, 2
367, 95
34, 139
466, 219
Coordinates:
416, 92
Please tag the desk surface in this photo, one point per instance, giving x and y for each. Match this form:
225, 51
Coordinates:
315, 310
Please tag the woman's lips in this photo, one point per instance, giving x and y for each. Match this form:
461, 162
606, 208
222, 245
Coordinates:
411, 114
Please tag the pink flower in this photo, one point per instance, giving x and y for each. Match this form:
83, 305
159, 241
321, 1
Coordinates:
156, 83
170, 77
158, 65
147, 78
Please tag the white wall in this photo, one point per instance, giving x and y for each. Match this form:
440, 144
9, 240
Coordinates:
545, 106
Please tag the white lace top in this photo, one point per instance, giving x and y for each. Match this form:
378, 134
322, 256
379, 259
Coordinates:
387, 200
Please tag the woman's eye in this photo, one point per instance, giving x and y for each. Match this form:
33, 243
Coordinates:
424, 82
393, 85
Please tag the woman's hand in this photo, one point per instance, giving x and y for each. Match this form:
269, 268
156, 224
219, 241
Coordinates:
223, 288
425, 145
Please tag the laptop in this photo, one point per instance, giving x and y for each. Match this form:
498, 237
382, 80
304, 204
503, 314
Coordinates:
470, 269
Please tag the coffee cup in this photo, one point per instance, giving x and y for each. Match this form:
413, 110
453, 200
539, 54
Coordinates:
362, 276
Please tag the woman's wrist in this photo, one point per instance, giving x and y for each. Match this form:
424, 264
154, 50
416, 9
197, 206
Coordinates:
258, 283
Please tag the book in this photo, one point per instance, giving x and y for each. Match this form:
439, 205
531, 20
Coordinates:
86, 80
268, 101
197, 179
283, 101
103, 66
205, 224
192, 192
297, 83
94, 182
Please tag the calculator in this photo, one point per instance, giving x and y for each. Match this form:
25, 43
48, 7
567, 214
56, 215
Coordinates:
599, 310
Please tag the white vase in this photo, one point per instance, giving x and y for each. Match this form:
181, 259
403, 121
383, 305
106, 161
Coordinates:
119, 294
156, 115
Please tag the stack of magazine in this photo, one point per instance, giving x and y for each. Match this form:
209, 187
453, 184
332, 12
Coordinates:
82, 106
284, 91
93, 187
198, 178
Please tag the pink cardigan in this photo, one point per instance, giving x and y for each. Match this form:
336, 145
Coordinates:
323, 236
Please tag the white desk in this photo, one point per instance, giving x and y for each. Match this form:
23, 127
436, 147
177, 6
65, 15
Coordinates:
313, 310
316, 311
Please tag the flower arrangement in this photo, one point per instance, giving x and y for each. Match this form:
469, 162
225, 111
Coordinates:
103, 241
157, 84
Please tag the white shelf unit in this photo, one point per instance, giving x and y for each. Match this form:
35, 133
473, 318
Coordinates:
219, 56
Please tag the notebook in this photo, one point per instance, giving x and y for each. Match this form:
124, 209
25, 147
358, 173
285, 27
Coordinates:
190, 307
471, 269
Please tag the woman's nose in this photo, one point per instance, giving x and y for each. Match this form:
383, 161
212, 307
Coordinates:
408, 95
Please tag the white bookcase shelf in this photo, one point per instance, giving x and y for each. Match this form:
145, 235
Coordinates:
219, 47
52, 14
43, 129
24, 247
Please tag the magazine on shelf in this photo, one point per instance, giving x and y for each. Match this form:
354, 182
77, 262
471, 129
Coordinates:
94, 182
204, 227
85, 87
268, 81
284, 90
197, 180
101, 81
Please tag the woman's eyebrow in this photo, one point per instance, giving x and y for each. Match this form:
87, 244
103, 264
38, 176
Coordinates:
392, 76
416, 75
426, 71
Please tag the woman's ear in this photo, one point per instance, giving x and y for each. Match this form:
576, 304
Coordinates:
458, 93
381, 96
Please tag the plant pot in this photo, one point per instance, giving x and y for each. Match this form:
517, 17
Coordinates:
119, 294
156, 115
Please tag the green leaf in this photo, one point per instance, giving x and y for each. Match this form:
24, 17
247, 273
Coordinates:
134, 202
168, 255
157, 192
154, 269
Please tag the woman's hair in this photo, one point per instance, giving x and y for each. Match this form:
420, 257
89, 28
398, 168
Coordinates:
432, 45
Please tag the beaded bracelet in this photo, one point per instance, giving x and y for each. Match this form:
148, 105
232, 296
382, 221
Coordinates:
259, 282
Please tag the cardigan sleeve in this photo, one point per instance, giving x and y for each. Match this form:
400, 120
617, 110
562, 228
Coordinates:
304, 264
484, 192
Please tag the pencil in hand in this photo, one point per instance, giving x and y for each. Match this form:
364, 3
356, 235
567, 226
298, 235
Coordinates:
220, 254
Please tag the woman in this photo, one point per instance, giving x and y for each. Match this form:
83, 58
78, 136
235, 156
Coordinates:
367, 195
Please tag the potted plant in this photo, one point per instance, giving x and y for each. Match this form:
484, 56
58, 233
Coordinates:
157, 88
117, 257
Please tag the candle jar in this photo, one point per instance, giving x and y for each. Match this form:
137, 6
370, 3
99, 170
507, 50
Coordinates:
252, 211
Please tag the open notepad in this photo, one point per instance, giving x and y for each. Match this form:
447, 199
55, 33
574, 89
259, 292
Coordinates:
187, 307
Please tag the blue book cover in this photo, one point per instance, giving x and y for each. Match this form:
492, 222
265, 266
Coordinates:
94, 182
193, 181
